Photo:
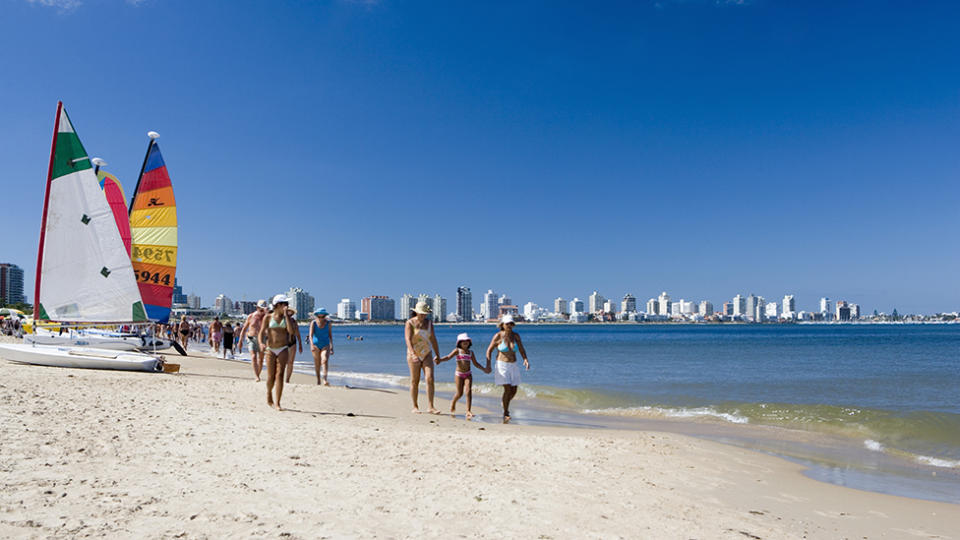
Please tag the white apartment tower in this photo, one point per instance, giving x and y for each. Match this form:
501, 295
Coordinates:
706, 308
490, 308
346, 309
789, 305
739, 306
576, 306
302, 302
560, 307
629, 304
653, 307
439, 308
596, 301
664, 304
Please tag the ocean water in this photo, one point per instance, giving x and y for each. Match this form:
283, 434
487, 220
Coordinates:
876, 399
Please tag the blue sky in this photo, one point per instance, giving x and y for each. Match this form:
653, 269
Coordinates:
540, 149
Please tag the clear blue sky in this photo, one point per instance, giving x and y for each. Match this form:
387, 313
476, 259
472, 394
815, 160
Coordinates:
705, 148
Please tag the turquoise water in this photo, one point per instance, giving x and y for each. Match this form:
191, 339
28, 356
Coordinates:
888, 390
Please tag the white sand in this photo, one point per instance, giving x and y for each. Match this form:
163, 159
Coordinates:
199, 454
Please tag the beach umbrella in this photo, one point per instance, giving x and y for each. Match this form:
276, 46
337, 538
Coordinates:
10, 312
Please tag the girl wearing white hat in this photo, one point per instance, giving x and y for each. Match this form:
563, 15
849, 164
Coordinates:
463, 377
422, 348
508, 345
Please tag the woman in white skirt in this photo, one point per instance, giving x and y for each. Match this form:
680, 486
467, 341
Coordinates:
508, 345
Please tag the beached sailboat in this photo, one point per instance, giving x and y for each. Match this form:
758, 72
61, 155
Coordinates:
153, 226
84, 275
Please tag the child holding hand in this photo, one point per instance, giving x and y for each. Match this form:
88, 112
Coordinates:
463, 377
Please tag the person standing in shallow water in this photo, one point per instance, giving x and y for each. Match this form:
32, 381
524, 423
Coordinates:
251, 332
275, 334
508, 345
422, 349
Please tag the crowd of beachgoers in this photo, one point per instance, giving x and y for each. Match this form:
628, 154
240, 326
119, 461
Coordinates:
271, 335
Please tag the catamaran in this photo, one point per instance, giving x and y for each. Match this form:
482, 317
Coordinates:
84, 275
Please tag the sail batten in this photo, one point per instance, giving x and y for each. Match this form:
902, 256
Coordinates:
153, 226
83, 271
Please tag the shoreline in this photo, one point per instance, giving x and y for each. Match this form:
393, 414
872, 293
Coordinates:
199, 453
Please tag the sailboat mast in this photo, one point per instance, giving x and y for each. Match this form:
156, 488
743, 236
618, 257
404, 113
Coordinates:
140, 177
43, 220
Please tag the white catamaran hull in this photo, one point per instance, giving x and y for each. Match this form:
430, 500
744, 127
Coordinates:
82, 357
82, 339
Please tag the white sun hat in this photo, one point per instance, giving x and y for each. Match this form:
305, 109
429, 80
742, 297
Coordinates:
506, 319
280, 298
463, 337
422, 308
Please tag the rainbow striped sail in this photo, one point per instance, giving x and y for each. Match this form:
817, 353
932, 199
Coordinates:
153, 226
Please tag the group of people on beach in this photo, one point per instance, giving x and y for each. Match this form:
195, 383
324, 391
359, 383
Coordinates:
423, 354
272, 335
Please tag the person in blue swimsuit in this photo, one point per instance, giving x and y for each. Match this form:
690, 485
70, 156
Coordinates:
509, 347
321, 344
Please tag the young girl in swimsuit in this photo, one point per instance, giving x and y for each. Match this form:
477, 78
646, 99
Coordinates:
275, 333
463, 377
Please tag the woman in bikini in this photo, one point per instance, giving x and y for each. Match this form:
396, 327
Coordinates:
422, 348
184, 329
463, 377
274, 337
321, 344
508, 345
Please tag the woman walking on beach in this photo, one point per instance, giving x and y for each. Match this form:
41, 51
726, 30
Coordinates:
418, 333
251, 331
275, 339
508, 344
321, 343
463, 376
227, 340
216, 334
184, 329
296, 342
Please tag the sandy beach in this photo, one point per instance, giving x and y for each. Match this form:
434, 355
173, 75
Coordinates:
199, 454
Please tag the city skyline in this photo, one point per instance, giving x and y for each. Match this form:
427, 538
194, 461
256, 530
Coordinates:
713, 148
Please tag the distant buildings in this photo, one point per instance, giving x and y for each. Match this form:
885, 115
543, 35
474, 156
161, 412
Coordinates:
347, 309
609, 306
843, 311
789, 307
739, 306
439, 308
464, 304
595, 301
378, 308
576, 306
825, 307
628, 304
178, 296
490, 308
561, 307
11, 284
771, 311
302, 302
706, 308
193, 301
407, 303
664, 304
653, 307
246, 306
223, 305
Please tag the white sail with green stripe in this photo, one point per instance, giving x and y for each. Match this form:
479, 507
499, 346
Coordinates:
83, 271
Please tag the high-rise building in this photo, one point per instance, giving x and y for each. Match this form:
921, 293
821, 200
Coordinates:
490, 309
246, 306
223, 305
531, 311
439, 308
750, 308
825, 307
760, 316
347, 309
302, 302
178, 296
609, 306
664, 304
595, 301
560, 306
628, 304
728, 309
706, 308
653, 307
789, 306
464, 304
504, 300
193, 301
854, 311
378, 308
771, 311
739, 306
576, 306
681, 308
843, 311
407, 303
11, 284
